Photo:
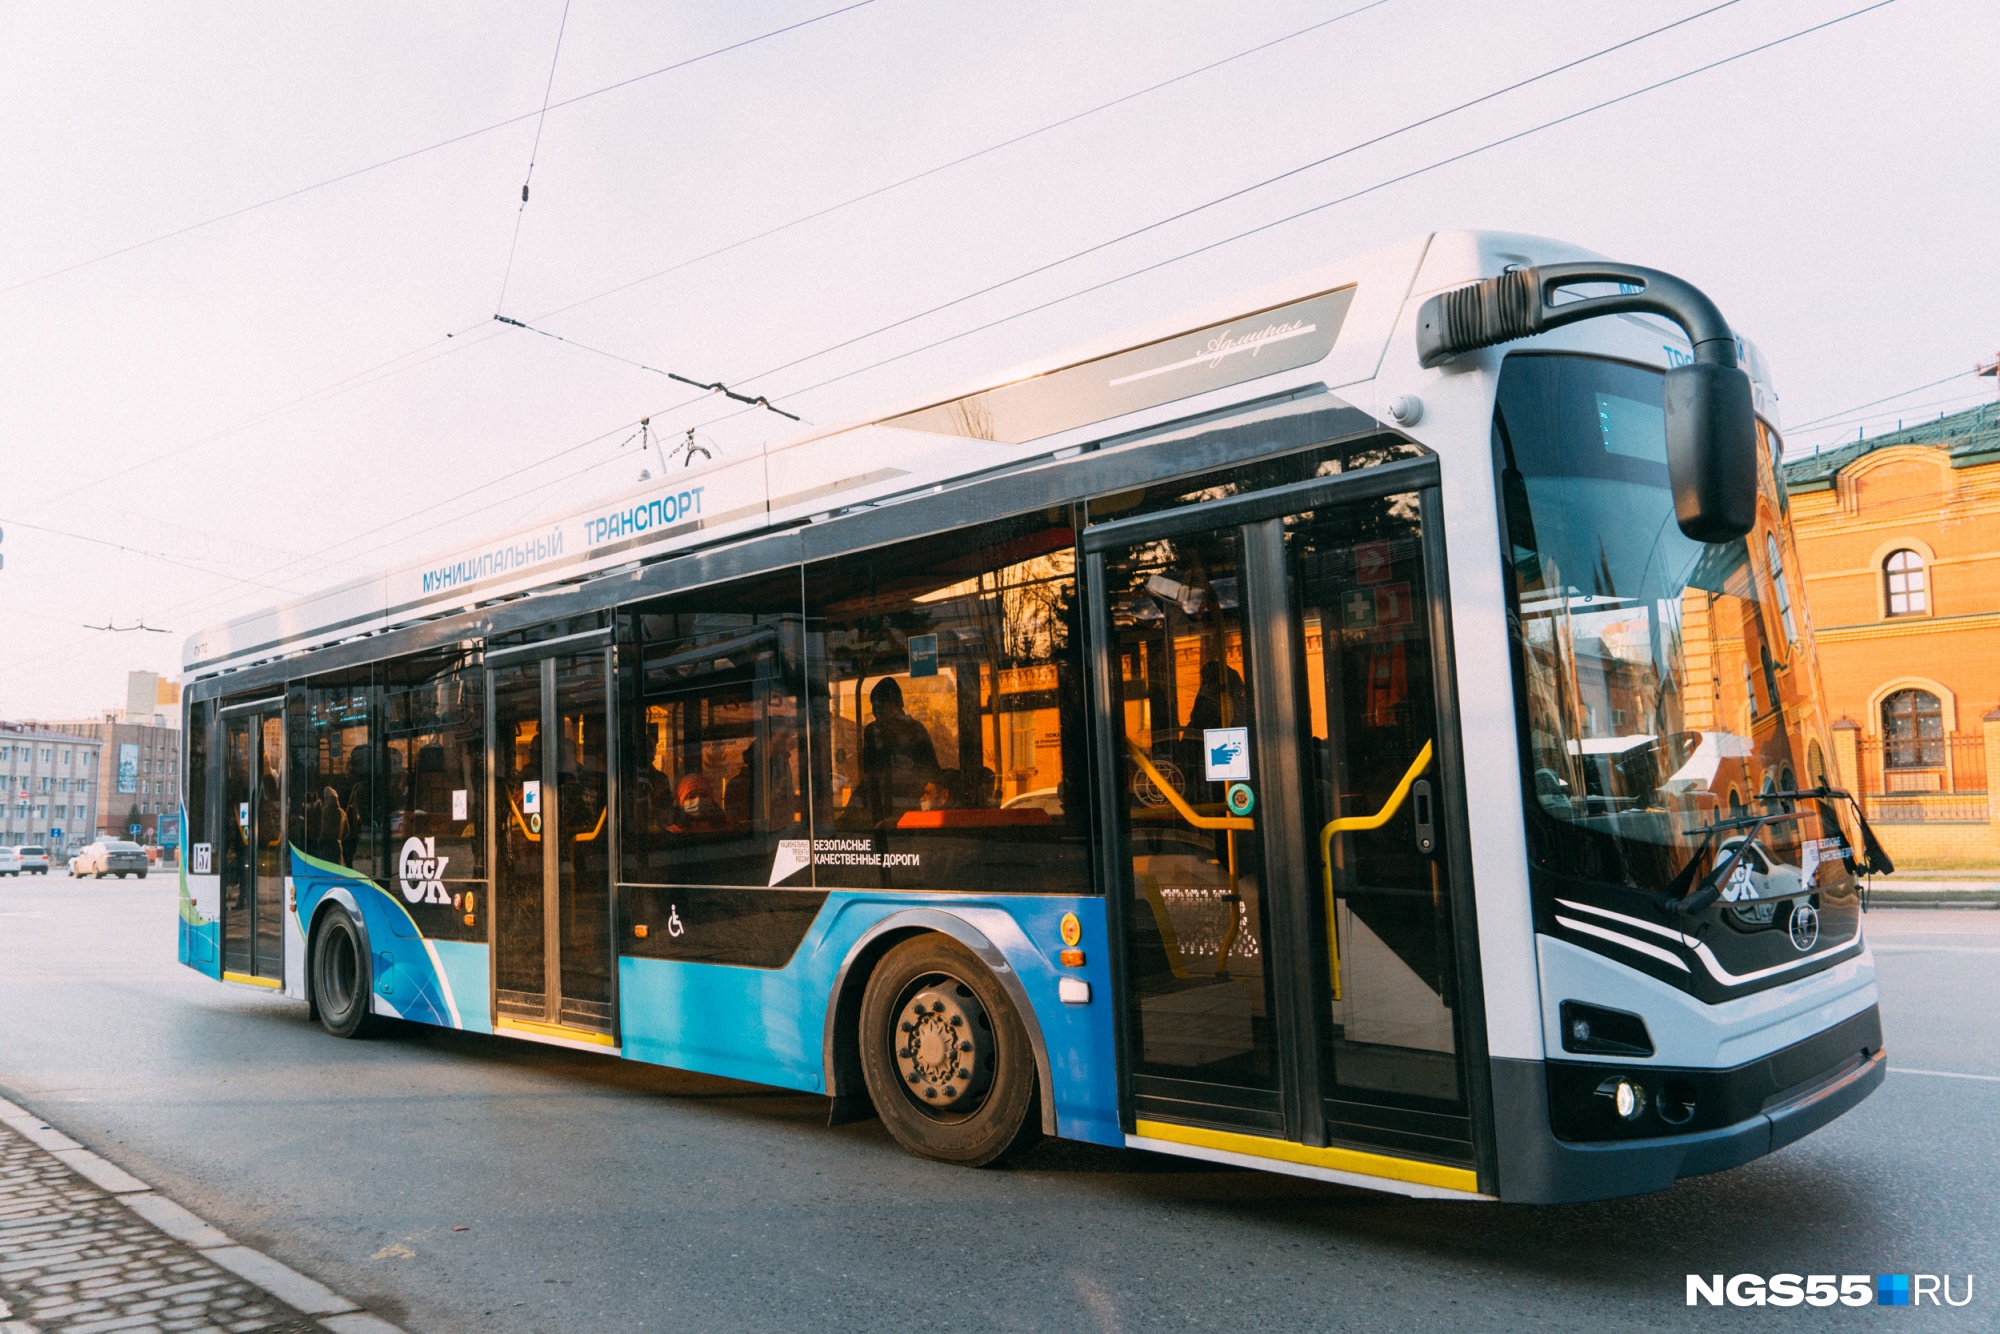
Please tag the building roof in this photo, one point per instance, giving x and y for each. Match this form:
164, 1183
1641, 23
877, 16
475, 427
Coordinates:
36, 732
1971, 437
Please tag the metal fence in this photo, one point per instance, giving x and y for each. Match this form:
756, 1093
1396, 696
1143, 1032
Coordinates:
1931, 780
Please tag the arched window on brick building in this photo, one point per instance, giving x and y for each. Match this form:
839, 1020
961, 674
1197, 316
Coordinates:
1912, 730
1907, 584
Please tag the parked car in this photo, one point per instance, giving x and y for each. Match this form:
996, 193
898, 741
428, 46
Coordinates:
10, 861
34, 858
111, 856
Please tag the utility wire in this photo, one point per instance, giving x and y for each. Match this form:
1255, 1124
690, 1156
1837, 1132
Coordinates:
717, 387
928, 172
1873, 402
431, 148
360, 380
1287, 174
533, 153
1278, 222
1190, 253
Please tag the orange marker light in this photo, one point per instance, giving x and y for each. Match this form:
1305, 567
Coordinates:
1072, 958
468, 919
640, 930
1072, 930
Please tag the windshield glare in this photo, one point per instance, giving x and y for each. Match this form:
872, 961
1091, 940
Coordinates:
1668, 683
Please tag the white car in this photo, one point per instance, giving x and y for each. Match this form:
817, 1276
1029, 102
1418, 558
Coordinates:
34, 859
109, 856
10, 861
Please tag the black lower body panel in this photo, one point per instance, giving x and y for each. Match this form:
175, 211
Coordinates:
1828, 1074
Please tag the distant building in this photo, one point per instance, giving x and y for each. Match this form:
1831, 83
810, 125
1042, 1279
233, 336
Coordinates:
1899, 537
51, 788
139, 760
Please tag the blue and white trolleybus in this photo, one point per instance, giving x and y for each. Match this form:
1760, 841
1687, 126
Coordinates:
1367, 729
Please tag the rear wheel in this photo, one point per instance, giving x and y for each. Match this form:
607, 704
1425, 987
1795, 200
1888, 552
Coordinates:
341, 977
946, 1056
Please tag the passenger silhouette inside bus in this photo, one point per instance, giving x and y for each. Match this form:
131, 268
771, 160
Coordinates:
898, 760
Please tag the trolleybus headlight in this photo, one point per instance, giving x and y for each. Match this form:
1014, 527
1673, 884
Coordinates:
1626, 1098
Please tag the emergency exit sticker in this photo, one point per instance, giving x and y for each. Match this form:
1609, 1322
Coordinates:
1225, 754
531, 798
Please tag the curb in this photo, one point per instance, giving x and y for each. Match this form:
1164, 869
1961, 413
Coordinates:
307, 1296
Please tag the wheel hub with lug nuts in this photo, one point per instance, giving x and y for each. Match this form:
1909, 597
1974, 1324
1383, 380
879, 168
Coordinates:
944, 1047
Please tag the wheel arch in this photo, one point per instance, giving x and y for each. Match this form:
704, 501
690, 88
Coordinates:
342, 897
841, 1041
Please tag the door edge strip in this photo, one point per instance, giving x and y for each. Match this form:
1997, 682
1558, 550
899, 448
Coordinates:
273, 983
583, 1038
1354, 1167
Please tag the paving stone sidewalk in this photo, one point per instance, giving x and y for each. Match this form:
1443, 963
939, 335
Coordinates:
77, 1257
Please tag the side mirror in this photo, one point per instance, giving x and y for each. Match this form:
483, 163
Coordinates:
1711, 422
1711, 450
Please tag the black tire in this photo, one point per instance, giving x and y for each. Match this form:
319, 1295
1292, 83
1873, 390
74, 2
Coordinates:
142, 875
946, 1056
342, 977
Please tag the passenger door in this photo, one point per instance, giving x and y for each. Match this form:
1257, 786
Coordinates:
254, 861
1272, 666
554, 963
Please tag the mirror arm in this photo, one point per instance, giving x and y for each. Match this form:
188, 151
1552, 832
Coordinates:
1520, 303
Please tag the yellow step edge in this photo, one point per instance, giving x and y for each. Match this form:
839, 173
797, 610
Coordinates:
249, 981
556, 1031
1334, 1159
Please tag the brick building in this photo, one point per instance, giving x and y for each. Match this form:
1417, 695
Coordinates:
1899, 537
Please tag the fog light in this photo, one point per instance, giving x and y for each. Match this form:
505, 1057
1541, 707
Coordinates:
1626, 1098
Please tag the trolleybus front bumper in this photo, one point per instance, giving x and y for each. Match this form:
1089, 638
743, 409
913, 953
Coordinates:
1537, 1167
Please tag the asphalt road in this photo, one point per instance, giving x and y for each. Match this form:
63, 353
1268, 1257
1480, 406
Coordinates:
603, 1196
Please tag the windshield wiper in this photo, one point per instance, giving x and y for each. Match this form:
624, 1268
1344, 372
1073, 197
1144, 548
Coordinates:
1679, 897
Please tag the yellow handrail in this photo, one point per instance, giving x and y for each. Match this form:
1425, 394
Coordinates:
1358, 824
1175, 799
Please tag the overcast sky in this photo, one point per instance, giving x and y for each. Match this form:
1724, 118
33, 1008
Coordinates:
270, 403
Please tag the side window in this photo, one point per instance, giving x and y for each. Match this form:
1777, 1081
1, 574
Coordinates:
336, 806
195, 776
947, 719
434, 788
715, 770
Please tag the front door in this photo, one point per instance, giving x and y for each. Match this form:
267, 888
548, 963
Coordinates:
253, 860
553, 952
1292, 970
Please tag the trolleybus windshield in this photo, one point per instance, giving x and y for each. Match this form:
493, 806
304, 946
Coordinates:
1667, 684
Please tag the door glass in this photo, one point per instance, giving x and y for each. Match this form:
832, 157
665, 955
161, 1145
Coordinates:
1201, 1001
1370, 737
583, 857
520, 943
269, 814
238, 795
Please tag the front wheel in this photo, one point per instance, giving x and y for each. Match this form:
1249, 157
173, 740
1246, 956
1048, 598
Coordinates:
341, 977
946, 1057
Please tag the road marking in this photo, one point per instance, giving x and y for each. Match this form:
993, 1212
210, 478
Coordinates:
1937, 949
1943, 1074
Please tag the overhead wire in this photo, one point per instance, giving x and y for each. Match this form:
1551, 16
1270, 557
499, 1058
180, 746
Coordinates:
533, 153
431, 148
1876, 402
458, 338
1277, 222
1436, 165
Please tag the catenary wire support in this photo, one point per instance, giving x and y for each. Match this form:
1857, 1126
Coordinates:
711, 386
534, 151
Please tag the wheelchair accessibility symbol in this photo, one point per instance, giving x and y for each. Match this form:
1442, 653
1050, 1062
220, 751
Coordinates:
674, 925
